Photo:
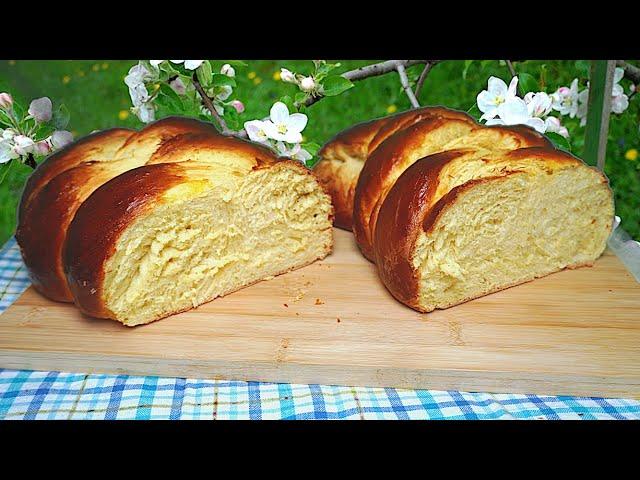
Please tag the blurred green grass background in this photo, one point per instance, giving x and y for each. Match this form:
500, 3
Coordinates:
97, 98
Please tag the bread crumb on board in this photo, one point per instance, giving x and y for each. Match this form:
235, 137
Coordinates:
319, 302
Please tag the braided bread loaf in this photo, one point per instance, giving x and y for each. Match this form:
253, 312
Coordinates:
450, 210
136, 226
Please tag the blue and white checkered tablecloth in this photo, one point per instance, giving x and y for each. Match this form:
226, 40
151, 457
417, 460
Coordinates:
55, 395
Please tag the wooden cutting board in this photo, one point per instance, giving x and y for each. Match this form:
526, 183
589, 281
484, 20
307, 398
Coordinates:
576, 332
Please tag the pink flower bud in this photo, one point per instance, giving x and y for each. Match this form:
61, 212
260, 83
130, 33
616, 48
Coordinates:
228, 70
178, 86
42, 147
287, 76
238, 105
23, 145
60, 138
41, 109
6, 101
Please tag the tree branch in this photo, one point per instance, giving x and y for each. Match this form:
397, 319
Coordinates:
404, 80
425, 71
512, 70
630, 71
209, 104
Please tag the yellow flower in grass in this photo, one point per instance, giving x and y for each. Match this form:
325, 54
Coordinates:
252, 75
123, 114
631, 154
257, 81
276, 75
391, 109
95, 67
81, 73
12, 62
104, 66
66, 79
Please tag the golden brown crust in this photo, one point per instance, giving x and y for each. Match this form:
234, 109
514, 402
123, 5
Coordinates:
65, 179
342, 158
411, 208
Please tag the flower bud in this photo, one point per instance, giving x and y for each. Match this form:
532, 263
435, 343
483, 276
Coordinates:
178, 86
238, 105
6, 101
228, 70
287, 76
42, 147
41, 109
60, 138
307, 84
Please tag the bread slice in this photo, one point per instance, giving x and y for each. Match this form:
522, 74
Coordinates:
464, 223
205, 216
342, 158
65, 179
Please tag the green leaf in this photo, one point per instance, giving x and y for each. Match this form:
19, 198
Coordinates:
559, 141
169, 98
335, 85
220, 80
288, 101
4, 170
60, 117
204, 73
467, 64
231, 117
474, 111
527, 83
311, 147
582, 67
300, 97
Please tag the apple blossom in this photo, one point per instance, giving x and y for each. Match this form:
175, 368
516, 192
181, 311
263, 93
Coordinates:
496, 94
283, 126
583, 100
7, 152
178, 86
619, 103
296, 152
228, 70
61, 138
189, 64
565, 99
225, 92
6, 101
256, 131
23, 145
515, 112
145, 112
538, 104
238, 105
553, 125
307, 84
287, 76
40, 109
155, 63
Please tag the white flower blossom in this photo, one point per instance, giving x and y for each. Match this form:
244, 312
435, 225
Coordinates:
228, 70
8, 134
496, 94
135, 80
287, 76
189, 64
40, 109
296, 152
583, 100
553, 125
515, 112
538, 104
619, 103
225, 92
7, 152
23, 145
565, 99
42, 147
283, 126
145, 112
256, 131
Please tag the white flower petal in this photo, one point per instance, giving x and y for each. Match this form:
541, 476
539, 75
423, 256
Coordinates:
619, 104
41, 109
297, 122
537, 123
60, 138
618, 74
514, 111
486, 102
192, 64
279, 113
176, 61
256, 130
292, 137
155, 63
512, 91
494, 121
496, 86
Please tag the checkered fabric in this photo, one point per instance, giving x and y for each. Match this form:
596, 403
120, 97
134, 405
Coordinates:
54, 395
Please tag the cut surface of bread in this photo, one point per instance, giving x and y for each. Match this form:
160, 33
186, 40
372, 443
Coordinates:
423, 138
166, 219
464, 224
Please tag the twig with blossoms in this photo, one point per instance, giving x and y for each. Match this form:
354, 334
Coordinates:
38, 133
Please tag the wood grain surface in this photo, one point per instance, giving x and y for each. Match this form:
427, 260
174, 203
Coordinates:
576, 332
